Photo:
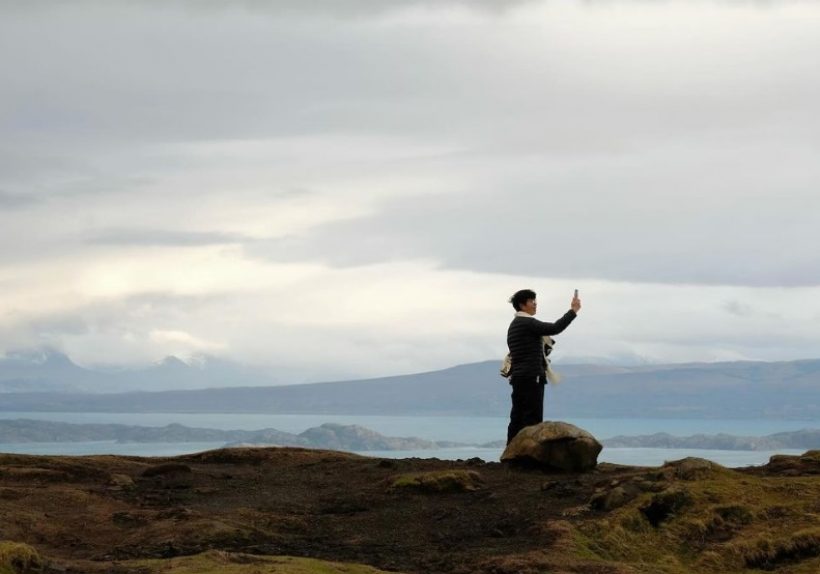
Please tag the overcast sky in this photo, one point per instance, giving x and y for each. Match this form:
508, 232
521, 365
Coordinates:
355, 188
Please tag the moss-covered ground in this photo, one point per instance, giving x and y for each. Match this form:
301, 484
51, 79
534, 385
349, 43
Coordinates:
725, 522
298, 511
17, 558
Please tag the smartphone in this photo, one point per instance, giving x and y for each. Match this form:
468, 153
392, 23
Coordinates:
576, 293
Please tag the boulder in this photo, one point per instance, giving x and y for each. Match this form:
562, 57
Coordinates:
789, 465
555, 446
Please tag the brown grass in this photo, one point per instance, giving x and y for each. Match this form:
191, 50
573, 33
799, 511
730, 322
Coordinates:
16, 558
767, 554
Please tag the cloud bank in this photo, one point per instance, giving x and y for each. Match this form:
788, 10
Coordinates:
268, 179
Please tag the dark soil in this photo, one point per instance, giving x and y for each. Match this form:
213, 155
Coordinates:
84, 514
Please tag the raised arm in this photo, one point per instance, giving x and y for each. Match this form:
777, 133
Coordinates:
544, 328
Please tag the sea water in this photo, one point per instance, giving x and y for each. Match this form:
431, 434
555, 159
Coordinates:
477, 430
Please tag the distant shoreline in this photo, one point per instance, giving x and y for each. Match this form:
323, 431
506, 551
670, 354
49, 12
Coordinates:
357, 438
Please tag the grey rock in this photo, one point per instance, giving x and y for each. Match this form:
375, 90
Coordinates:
554, 446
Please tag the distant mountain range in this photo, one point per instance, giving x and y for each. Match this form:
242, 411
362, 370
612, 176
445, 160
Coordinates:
801, 440
327, 436
48, 370
786, 390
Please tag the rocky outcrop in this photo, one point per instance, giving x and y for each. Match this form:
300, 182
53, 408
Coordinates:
807, 463
554, 446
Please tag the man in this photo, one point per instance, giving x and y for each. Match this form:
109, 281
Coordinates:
528, 373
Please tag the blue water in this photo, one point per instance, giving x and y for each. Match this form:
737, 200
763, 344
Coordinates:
458, 429
108, 447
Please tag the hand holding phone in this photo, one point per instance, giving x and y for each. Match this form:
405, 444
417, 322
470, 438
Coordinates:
576, 302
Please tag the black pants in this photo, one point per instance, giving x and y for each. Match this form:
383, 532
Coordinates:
527, 404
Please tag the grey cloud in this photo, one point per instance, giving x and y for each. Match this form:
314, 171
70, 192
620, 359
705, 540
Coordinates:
162, 237
30, 174
738, 308
12, 200
356, 8
765, 345
100, 184
173, 301
291, 193
110, 330
58, 325
334, 8
472, 87
588, 147
114, 315
25, 332
627, 222
19, 165
251, 80
150, 308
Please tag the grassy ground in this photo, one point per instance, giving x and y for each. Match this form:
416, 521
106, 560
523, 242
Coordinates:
724, 522
18, 558
217, 562
297, 511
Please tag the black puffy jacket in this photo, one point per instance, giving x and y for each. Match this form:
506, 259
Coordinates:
524, 339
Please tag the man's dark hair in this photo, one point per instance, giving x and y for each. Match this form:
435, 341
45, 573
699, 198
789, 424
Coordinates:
521, 297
